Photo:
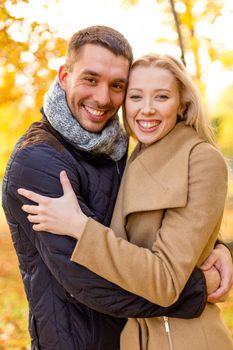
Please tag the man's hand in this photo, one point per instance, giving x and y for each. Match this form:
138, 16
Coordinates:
213, 280
220, 258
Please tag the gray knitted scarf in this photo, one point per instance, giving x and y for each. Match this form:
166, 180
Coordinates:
111, 141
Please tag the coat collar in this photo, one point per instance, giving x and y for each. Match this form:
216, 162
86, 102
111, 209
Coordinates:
158, 177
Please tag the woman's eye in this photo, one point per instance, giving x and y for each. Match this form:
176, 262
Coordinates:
135, 97
161, 97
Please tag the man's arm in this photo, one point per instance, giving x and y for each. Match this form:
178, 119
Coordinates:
39, 171
229, 245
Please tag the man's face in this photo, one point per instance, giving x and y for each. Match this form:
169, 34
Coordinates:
95, 87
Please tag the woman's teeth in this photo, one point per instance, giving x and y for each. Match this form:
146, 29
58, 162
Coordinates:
148, 124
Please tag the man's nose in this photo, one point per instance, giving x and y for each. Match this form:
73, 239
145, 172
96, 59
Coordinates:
102, 95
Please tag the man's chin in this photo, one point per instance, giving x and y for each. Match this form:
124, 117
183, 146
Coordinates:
93, 126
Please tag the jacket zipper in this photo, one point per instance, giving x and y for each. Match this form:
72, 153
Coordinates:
92, 327
118, 170
167, 330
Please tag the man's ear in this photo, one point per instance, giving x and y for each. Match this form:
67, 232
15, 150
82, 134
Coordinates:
63, 75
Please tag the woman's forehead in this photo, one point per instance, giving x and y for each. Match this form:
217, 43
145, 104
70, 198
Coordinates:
155, 76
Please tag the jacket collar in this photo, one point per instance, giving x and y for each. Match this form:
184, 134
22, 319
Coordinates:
158, 177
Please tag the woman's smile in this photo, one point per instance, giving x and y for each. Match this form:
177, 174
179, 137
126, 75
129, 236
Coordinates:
148, 125
152, 103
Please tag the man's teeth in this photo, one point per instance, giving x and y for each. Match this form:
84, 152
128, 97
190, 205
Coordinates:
148, 124
94, 111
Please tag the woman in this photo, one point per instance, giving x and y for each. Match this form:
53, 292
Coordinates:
170, 203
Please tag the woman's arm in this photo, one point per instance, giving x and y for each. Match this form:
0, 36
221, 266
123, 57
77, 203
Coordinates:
80, 284
98, 247
160, 276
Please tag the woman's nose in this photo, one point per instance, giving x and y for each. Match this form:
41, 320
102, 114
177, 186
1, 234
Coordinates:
148, 109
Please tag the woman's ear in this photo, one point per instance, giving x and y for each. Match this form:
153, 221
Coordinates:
182, 109
63, 76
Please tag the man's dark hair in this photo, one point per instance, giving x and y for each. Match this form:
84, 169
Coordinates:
103, 36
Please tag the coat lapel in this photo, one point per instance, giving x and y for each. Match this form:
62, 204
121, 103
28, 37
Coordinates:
158, 177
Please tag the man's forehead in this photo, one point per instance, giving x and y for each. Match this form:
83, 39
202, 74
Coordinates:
97, 60
97, 52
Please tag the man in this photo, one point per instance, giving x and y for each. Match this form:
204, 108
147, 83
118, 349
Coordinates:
70, 307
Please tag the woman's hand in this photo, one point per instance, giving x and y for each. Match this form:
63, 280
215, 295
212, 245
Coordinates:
62, 216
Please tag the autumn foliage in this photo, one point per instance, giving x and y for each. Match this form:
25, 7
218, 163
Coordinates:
30, 55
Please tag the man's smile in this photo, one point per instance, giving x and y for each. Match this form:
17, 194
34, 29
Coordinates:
94, 111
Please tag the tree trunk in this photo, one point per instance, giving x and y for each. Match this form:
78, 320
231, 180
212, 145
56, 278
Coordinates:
177, 23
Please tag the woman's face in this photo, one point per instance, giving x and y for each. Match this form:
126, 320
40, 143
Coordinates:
152, 103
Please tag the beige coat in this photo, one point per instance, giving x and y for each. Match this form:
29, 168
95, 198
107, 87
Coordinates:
170, 202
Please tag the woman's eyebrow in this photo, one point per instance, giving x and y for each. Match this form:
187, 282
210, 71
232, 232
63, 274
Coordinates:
155, 90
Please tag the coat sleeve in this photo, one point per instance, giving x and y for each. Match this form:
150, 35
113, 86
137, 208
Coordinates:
160, 275
37, 169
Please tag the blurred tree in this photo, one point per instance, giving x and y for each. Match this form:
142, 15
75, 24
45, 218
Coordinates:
28, 51
223, 115
178, 29
193, 27
193, 20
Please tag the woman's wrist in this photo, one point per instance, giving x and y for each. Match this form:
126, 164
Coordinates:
80, 226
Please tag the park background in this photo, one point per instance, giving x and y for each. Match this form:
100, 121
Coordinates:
33, 36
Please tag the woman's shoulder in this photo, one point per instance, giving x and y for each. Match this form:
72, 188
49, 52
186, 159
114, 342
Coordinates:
207, 156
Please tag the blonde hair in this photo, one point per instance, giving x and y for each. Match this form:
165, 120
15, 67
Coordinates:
192, 113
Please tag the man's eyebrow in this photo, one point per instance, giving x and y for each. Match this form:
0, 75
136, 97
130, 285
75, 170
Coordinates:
95, 74
90, 72
121, 80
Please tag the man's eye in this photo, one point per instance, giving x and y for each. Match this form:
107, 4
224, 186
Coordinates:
90, 80
119, 87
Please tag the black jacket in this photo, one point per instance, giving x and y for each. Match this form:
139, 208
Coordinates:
72, 308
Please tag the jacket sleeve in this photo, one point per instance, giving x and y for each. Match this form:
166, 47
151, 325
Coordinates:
37, 168
184, 234
227, 244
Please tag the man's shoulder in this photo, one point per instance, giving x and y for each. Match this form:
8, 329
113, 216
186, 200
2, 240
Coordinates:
41, 132
37, 168
37, 153
38, 157
40, 143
